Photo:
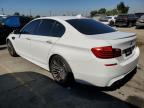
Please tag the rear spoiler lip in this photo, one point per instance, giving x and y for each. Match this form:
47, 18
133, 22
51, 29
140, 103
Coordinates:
126, 37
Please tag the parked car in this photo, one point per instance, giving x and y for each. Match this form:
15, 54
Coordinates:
140, 22
76, 49
139, 14
126, 20
2, 17
9, 24
108, 20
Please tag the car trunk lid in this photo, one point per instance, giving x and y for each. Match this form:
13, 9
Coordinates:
124, 41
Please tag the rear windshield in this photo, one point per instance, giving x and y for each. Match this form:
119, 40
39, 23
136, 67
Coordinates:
90, 26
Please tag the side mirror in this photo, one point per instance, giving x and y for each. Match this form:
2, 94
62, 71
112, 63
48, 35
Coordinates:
17, 31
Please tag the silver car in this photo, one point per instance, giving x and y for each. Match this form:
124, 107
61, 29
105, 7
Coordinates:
140, 22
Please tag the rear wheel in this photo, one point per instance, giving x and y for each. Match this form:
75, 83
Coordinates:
61, 71
11, 49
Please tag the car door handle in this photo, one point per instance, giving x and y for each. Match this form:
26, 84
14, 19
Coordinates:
50, 42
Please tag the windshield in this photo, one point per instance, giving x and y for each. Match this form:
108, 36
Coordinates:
90, 26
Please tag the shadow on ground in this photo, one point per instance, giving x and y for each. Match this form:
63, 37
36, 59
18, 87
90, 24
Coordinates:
33, 90
2, 47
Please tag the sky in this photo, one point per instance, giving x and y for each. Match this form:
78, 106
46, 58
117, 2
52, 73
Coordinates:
60, 7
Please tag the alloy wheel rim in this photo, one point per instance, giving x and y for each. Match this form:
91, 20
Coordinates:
58, 70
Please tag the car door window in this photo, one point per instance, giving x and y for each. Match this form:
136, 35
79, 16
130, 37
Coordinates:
45, 27
49, 27
31, 27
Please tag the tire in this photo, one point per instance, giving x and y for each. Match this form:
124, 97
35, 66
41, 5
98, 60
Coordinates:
111, 23
11, 49
61, 71
130, 24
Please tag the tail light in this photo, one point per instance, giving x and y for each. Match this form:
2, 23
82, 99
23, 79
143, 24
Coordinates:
106, 52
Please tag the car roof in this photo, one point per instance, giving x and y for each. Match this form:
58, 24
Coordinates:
62, 17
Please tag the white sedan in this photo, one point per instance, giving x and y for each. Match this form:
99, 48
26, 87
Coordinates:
76, 49
108, 20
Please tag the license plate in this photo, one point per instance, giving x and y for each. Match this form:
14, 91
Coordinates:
128, 51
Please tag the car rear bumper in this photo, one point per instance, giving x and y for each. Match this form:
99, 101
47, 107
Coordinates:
105, 76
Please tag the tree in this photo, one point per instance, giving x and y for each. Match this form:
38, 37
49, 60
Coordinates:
112, 12
102, 11
23, 15
16, 13
122, 9
93, 13
37, 16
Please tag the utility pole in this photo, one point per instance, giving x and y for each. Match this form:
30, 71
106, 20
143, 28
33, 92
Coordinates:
50, 13
30, 13
2, 11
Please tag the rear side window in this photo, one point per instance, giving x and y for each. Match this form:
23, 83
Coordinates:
58, 29
49, 27
12, 21
90, 27
31, 27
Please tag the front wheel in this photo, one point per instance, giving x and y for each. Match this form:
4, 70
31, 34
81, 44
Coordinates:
11, 49
61, 71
